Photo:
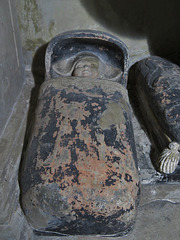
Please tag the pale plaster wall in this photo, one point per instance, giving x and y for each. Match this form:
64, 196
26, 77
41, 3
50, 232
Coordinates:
144, 26
40, 20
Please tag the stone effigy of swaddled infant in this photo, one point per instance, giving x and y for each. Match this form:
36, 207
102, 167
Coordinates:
79, 174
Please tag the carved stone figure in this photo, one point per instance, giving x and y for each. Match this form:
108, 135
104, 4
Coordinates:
79, 174
156, 83
86, 67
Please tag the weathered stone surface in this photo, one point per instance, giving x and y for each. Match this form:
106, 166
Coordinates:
161, 85
80, 175
13, 224
158, 216
156, 85
11, 62
65, 49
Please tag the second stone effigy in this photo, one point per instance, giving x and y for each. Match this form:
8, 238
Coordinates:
155, 87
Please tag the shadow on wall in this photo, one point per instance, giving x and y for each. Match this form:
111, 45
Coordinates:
157, 20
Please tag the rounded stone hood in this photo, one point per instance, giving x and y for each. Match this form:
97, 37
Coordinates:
65, 49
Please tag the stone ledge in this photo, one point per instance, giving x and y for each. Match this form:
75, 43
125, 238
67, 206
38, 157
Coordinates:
12, 221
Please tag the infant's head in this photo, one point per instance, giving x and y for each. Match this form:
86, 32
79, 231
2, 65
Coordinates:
87, 66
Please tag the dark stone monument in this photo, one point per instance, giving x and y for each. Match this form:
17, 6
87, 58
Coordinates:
156, 84
79, 174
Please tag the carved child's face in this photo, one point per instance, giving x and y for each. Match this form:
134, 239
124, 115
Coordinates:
86, 67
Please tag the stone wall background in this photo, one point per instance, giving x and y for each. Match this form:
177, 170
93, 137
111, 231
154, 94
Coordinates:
14, 99
144, 26
40, 20
11, 61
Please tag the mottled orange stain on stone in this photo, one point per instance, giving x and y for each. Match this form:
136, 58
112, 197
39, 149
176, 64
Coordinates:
93, 168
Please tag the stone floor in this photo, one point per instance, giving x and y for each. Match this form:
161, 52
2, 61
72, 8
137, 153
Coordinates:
159, 209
